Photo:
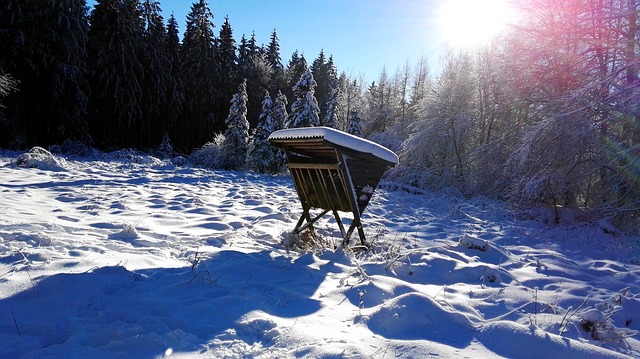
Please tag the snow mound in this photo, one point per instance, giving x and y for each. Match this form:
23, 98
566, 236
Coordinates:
536, 343
40, 158
417, 316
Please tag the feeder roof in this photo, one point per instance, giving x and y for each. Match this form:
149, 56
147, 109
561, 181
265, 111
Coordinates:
337, 138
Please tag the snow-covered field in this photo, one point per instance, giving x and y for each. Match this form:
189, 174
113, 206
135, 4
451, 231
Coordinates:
138, 258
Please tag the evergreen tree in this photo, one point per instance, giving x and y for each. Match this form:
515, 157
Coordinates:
278, 80
280, 112
296, 68
262, 156
257, 71
228, 60
330, 118
175, 92
200, 69
157, 77
43, 46
325, 74
273, 52
236, 137
304, 111
354, 127
116, 56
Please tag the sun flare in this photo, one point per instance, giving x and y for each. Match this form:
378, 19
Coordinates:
473, 23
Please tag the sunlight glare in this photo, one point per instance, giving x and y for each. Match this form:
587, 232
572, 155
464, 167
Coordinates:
473, 23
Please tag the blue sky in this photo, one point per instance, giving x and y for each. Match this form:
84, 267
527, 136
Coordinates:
362, 35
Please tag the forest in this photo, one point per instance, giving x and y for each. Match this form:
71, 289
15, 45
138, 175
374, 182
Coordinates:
547, 114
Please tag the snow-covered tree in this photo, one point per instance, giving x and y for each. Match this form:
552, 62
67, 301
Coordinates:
280, 111
304, 111
255, 68
262, 156
165, 149
330, 118
295, 68
236, 137
354, 127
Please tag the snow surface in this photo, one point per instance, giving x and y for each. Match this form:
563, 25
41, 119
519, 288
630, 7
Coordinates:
338, 138
137, 258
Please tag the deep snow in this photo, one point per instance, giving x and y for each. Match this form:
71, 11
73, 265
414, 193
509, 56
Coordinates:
125, 255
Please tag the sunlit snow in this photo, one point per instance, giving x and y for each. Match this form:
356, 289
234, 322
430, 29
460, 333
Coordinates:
133, 257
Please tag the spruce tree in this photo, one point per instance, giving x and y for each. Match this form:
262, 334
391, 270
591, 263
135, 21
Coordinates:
304, 111
278, 80
330, 118
296, 68
175, 92
199, 70
354, 127
227, 59
116, 56
157, 77
257, 71
262, 156
280, 112
236, 137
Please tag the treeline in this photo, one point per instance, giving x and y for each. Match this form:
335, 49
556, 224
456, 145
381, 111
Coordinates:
120, 76
548, 114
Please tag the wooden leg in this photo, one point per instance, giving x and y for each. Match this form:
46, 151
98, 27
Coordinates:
310, 221
335, 214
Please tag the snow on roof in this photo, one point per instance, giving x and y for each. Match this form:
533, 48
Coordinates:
337, 138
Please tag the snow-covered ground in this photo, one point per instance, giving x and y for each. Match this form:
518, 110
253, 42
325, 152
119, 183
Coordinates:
138, 258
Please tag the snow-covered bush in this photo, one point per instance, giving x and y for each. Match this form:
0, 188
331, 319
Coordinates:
73, 147
40, 158
208, 156
599, 325
180, 161
129, 155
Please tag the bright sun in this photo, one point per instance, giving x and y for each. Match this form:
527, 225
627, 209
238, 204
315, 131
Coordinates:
472, 23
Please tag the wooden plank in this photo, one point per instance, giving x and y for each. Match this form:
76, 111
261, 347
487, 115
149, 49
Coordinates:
323, 166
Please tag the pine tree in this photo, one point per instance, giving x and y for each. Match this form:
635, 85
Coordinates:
116, 57
200, 69
234, 147
354, 127
262, 156
304, 111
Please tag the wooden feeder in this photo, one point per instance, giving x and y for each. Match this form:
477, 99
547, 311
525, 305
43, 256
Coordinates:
334, 172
